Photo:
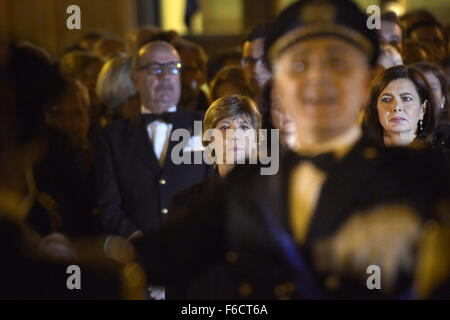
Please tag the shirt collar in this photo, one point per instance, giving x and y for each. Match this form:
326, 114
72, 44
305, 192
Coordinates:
144, 110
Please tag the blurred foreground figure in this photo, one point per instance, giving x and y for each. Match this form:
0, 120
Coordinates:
85, 67
274, 117
65, 159
34, 267
343, 217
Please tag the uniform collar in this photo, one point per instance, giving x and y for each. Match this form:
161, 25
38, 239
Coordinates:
340, 145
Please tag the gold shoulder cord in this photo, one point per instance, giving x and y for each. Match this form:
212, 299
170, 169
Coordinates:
433, 265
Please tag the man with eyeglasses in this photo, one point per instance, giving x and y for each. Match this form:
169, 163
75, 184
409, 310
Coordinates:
133, 176
256, 72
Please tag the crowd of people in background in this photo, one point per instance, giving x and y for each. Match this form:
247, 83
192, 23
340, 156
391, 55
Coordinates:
86, 152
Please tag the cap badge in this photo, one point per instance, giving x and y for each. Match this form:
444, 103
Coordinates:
318, 12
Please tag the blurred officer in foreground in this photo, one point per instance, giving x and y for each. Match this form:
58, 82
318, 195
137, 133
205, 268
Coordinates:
341, 209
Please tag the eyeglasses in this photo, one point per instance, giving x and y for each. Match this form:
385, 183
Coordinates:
156, 69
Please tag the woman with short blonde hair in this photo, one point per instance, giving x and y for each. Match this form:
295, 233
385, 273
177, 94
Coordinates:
115, 87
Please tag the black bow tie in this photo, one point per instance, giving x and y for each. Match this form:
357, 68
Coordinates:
324, 161
165, 116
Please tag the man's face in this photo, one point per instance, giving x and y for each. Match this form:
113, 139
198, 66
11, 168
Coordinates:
192, 77
255, 71
158, 92
434, 38
72, 116
435, 85
323, 84
391, 33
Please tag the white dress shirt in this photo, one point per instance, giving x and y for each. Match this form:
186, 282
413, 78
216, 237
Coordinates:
307, 180
159, 134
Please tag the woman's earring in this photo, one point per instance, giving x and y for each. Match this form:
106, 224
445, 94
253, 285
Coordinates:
420, 125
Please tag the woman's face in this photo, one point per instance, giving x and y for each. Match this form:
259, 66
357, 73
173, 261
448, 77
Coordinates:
239, 144
399, 107
436, 86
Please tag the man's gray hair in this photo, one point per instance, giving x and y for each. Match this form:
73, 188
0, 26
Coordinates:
114, 84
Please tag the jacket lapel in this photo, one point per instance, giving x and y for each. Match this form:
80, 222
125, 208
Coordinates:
178, 123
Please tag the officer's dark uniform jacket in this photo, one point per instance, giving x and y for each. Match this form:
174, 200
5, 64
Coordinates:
245, 222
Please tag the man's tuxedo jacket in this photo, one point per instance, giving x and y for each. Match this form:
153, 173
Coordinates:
131, 191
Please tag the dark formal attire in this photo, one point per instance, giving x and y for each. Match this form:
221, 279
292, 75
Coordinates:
132, 189
199, 104
246, 222
441, 138
215, 284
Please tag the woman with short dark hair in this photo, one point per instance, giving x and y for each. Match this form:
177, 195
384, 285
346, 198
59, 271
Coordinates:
401, 107
230, 112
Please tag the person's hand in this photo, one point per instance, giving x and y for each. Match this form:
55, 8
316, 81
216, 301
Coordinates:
384, 236
57, 246
157, 292
433, 265
119, 249
136, 235
389, 57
